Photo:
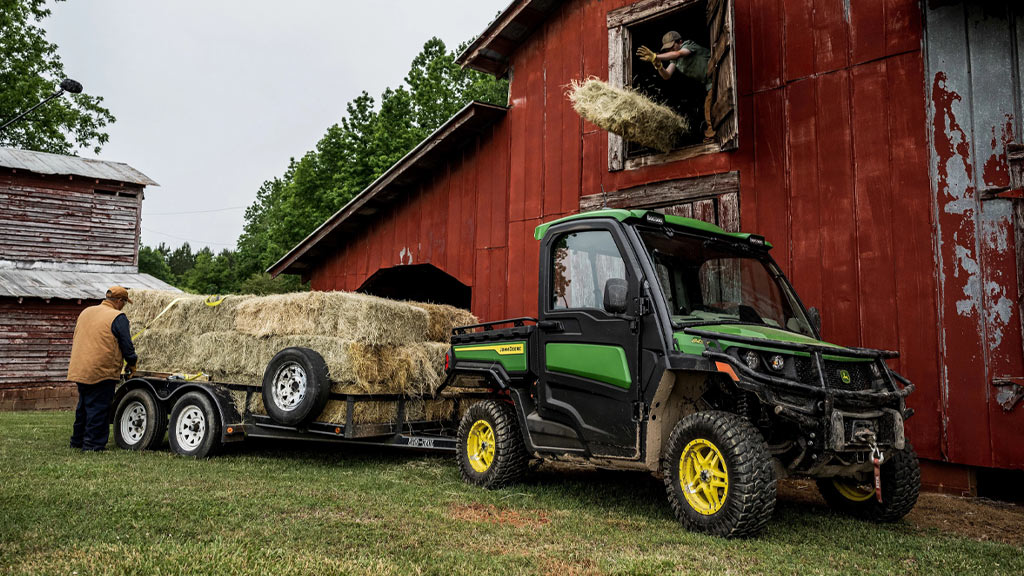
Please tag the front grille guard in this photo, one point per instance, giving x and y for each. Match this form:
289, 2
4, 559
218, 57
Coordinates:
898, 386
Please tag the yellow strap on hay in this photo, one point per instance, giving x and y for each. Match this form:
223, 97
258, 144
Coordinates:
146, 327
214, 300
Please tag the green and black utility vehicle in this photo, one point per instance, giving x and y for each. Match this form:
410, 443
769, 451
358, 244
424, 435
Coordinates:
667, 344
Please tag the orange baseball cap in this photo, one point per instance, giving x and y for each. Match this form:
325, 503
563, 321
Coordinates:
118, 293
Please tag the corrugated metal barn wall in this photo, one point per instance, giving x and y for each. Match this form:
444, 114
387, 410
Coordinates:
833, 163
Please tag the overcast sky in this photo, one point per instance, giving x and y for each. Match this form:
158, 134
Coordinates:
213, 98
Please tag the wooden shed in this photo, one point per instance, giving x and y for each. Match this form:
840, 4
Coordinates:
69, 229
871, 142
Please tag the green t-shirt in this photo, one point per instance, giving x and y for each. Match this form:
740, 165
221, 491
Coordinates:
695, 65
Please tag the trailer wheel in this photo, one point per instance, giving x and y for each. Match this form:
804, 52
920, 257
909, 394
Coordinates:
195, 426
719, 475
140, 421
490, 448
901, 484
296, 386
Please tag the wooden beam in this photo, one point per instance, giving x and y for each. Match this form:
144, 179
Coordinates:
667, 193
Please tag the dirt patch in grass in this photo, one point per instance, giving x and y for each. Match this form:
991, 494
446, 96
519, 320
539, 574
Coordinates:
494, 515
584, 567
974, 518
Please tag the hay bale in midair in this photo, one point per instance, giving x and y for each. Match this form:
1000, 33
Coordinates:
629, 114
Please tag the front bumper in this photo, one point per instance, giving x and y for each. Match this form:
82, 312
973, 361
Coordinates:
839, 415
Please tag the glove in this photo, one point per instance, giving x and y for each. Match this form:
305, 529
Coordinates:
129, 372
647, 55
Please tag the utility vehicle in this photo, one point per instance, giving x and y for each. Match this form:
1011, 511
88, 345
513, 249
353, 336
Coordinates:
667, 344
663, 344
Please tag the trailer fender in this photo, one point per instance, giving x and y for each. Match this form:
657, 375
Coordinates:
479, 375
168, 391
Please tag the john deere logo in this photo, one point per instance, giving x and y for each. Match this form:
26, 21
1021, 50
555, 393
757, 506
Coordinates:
844, 376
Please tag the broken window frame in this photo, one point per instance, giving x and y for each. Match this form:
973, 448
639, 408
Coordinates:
721, 18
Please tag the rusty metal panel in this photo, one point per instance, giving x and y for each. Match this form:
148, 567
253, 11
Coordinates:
971, 58
58, 164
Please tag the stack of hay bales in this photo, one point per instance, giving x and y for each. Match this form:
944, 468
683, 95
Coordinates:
629, 114
371, 345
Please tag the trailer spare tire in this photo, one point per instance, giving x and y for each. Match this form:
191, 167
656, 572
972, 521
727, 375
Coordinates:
296, 386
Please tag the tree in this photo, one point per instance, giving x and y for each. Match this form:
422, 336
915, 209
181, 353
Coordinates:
30, 70
151, 261
363, 145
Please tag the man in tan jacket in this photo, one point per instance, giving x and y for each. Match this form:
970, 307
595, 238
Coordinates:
102, 344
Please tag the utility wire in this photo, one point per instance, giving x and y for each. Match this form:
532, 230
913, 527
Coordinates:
196, 211
151, 231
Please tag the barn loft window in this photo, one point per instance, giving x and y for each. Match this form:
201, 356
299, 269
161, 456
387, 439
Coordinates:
705, 30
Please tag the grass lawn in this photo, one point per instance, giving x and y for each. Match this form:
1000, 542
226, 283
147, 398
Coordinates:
294, 508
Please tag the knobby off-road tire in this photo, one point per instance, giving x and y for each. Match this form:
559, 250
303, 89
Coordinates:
490, 446
194, 427
706, 450
140, 421
901, 484
296, 386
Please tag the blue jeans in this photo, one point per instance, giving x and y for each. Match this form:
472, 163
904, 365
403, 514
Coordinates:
92, 417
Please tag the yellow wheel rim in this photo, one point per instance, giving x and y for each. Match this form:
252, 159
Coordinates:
853, 490
480, 446
703, 476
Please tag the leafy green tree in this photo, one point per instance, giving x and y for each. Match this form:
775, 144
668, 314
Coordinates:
181, 260
151, 261
352, 153
30, 70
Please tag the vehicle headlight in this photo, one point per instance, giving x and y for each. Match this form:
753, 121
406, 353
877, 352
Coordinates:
777, 363
751, 359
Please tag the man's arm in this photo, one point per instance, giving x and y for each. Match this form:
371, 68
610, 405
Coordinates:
122, 332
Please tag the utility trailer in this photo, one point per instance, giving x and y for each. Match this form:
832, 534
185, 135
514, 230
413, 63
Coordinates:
199, 417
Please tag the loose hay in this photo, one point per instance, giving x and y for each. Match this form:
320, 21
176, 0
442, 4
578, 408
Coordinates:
442, 318
357, 317
628, 114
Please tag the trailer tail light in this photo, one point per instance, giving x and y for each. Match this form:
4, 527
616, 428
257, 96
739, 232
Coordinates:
447, 360
231, 430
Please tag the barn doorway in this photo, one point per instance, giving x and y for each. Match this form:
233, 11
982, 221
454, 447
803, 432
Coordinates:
418, 282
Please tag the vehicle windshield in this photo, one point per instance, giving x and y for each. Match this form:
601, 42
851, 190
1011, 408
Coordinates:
710, 281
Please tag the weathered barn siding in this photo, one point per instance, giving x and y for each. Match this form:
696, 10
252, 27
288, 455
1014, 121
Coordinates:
834, 170
974, 110
35, 345
59, 218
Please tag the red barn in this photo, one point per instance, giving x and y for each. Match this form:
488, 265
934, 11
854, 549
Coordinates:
870, 141
69, 229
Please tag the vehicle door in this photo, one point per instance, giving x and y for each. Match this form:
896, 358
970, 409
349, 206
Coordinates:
589, 356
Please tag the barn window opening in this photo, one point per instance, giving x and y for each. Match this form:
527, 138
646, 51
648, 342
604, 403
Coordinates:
670, 64
678, 53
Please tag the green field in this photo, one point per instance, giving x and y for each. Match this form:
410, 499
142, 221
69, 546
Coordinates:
292, 508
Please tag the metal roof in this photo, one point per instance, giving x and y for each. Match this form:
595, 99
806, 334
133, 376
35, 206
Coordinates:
72, 284
491, 50
58, 164
404, 174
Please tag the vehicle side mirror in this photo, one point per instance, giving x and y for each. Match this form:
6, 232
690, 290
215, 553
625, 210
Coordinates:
616, 294
815, 317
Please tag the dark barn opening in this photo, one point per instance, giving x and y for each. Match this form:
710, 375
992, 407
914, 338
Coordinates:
419, 282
